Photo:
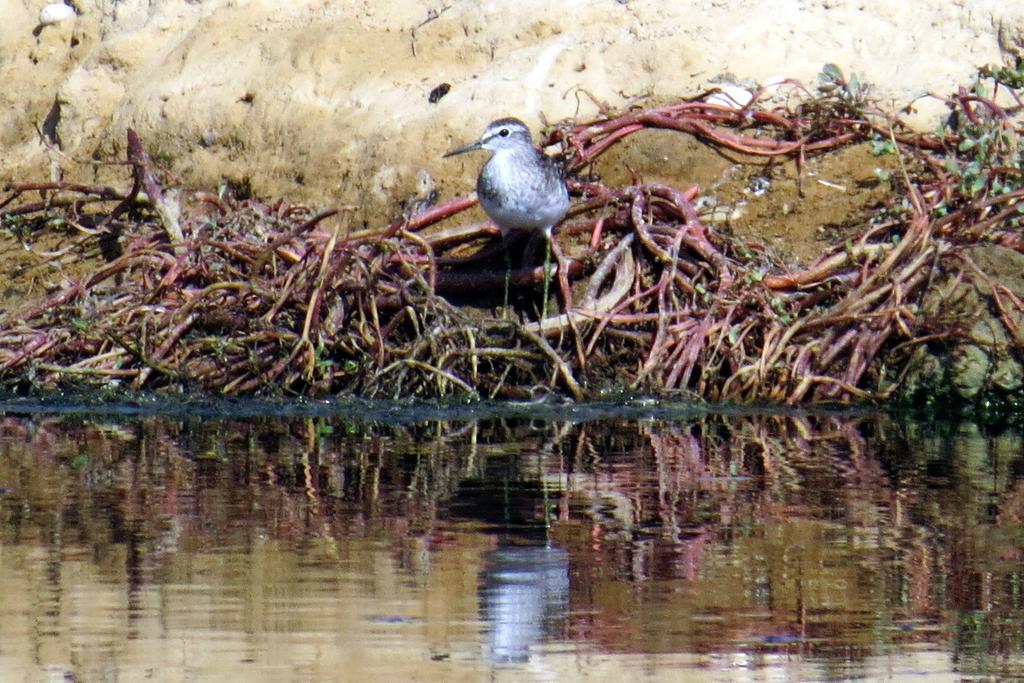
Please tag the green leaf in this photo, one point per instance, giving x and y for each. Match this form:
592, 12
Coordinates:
882, 147
854, 86
831, 72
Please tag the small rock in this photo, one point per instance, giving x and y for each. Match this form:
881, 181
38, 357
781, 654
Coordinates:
56, 12
729, 95
988, 333
971, 366
926, 373
1008, 375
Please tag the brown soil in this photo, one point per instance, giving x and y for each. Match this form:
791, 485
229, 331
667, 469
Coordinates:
796, 212
309, 99
805, 211
37, 262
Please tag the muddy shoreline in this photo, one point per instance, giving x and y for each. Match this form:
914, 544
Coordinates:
742, 292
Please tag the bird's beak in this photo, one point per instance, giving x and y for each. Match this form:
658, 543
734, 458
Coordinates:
462, 150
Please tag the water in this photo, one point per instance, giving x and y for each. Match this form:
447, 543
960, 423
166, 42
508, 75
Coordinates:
388, 544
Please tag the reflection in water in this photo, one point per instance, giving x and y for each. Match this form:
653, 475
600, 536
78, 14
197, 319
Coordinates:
798, 546
524, 595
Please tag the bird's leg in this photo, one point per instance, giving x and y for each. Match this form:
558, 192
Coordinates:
508, 279
547, 274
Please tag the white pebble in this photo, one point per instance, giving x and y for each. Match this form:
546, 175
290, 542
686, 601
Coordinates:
732, 96
55, 13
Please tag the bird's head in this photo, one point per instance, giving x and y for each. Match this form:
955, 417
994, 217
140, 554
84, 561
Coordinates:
501, 134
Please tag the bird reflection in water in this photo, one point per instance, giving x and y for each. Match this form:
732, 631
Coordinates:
524, 594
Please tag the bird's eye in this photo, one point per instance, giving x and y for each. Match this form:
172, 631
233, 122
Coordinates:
503, 132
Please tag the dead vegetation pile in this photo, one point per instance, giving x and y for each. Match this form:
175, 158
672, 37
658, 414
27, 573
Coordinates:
243, 297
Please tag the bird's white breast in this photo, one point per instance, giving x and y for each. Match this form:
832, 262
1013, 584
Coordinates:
518, 193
